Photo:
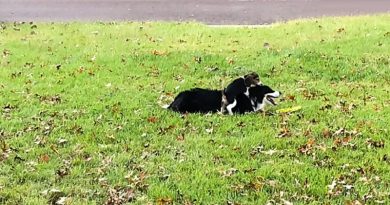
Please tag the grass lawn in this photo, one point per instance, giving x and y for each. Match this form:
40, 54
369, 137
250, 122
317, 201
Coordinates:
81, 119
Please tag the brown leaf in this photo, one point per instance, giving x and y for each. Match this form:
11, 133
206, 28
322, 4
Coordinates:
117, 196
6, 53
158, 53
311, 142
164, 201
55, 99
284, 132
256, 185
230, 61
290, 97
62, 172
44, 158
326, 133
306, 148
346, 139
80, 70
198, 59
340, 30
307, 132
166, 129
180, 138
326, 107
152, 119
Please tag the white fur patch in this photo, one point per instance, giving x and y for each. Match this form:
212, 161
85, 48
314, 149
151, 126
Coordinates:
231, 106
275, 94
247, 92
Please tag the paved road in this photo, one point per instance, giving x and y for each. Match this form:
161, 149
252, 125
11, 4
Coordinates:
208, 11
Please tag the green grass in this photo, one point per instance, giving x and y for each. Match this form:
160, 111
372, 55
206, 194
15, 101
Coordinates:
80, 113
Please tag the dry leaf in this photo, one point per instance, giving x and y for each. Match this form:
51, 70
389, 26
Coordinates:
44, 158
375, 144
158, 53
229, 172
180, 138
152, 119
164, 201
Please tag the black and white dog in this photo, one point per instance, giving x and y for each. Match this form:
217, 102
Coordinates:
235, 89
199, 100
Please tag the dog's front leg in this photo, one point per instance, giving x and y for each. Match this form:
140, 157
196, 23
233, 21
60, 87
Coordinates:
231, 106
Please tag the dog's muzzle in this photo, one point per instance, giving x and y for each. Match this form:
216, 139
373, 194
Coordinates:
271, 96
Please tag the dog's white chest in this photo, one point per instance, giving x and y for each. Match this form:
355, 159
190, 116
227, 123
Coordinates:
247, 92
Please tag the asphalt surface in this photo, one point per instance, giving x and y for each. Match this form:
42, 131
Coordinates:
207, 11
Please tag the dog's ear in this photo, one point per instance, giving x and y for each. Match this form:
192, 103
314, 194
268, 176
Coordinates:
251, 79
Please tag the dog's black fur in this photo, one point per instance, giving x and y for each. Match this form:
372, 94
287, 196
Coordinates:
199, 100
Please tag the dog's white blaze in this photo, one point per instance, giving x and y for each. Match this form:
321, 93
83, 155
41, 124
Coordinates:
275, 94
231, 106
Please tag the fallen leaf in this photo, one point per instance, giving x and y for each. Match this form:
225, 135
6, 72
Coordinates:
326, 133
117, 196
62, 141
54, 148
164, 201
284, 132
375, 143
209, 130
44, 158
269, 152
180, 138
266, 45
285, 202
62, 201
229, 172
340, 30
62, 172
55, 196
198, 59
158, 53
307, 148
290, 97
152, 119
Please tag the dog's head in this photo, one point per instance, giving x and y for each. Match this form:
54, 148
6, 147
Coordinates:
262, 95
252, 79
